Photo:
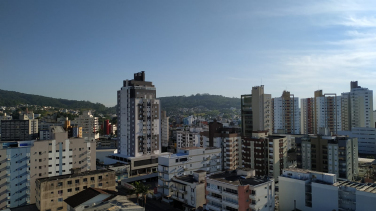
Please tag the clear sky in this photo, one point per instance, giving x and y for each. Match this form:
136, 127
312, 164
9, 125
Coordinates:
83, 50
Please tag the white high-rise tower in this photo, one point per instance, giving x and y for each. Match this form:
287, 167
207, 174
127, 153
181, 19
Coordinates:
139, 118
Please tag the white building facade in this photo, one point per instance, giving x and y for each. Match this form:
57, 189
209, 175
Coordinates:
286, 116
139, 118
357, 107
366, 139
328, 113
185, 162
309, 190
187, 139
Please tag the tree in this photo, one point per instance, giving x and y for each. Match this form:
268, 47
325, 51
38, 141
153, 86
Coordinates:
140, 188
144, 191
137, 189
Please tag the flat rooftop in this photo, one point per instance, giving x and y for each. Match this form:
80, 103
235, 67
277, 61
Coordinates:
366, 187
306, 171
117, 203
234, 179
85, 173
185, 178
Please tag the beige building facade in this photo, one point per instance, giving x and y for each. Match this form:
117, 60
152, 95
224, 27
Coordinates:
51, 192
23, 162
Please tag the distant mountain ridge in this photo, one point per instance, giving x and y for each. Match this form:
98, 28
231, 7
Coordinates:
12, 98
211, 102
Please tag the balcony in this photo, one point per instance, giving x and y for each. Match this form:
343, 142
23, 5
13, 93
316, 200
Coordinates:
231, 204
252, 206
233, 195
214, 207
218, 191
212, 198
179, 199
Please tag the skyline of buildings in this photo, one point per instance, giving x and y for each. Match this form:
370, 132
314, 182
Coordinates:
240, 159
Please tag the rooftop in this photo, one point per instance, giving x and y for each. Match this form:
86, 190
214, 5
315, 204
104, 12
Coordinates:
234, 179
185, 178
117, 203
86, 195
112, 202
366, 187
85, 173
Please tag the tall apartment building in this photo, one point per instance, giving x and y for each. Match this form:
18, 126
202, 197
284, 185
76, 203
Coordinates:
267, 154
246, 115
187, 139
139, 118
286, 117
366, 139
165, 127
323, 110
52, 191
310, 190
19, 130
239, 190
332, 154
25, 161
89, 124
188, 191
185, 162
256, 111
307, 116
357, 107
228, 140
328, 113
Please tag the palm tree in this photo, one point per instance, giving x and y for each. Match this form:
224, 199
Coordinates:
137, 189
144, 189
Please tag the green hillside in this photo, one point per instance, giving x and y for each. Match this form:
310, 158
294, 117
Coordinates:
171, 104
11, 98
211, 102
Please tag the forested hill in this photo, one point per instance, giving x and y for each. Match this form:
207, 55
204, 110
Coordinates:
211, 102
11, 98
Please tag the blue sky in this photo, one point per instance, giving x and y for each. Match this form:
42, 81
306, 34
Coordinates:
83, 50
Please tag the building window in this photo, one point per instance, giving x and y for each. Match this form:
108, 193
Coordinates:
60, 208
92, 178
77, 189
100, 184
69, 190
77, 181
69, 182
85, 187
59, 184
85, 180
99, 177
